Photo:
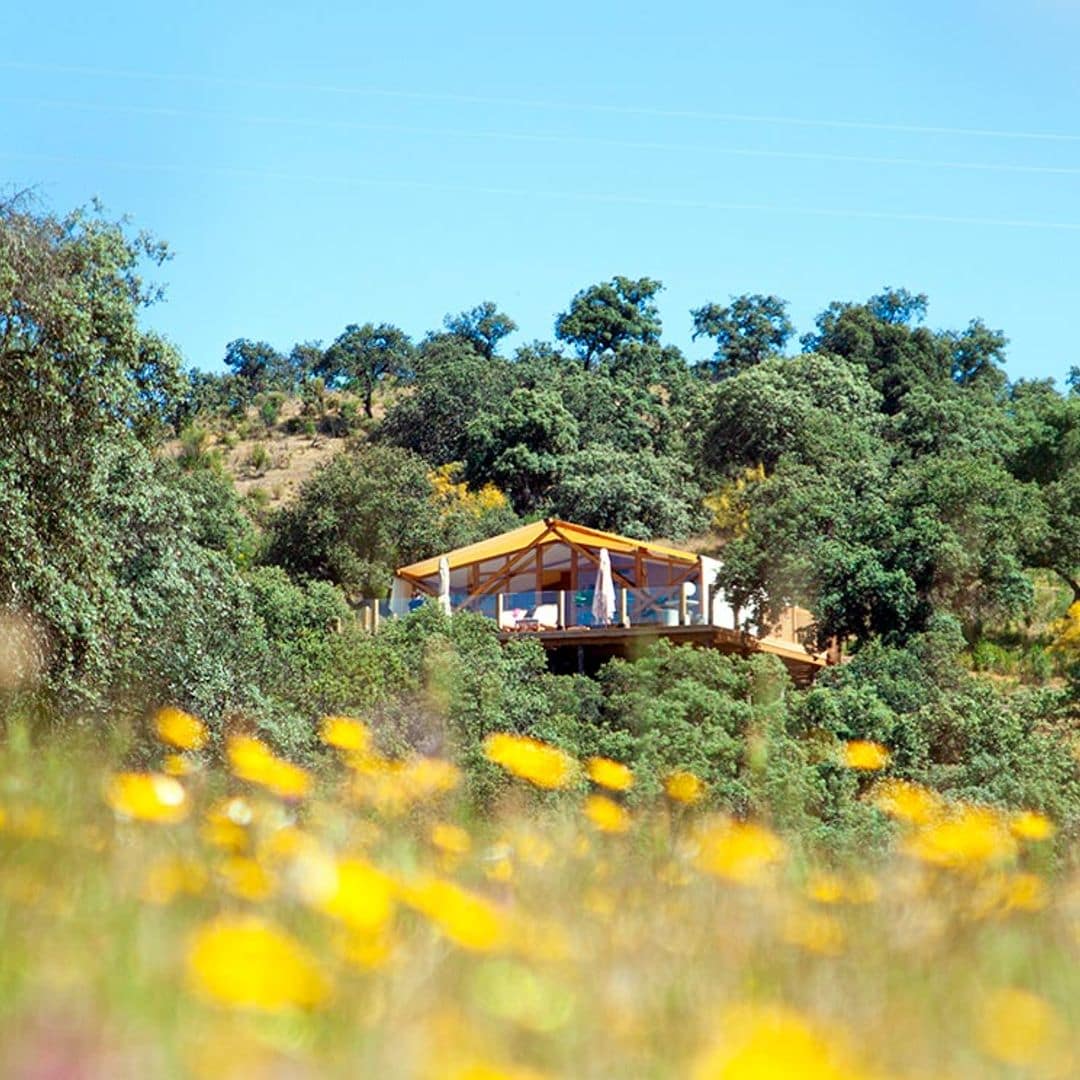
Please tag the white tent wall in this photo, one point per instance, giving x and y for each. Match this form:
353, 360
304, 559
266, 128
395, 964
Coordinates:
723, 614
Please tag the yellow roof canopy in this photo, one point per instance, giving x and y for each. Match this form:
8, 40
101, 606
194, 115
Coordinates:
549, 531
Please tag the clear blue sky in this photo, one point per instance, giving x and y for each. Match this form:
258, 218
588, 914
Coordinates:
324, 163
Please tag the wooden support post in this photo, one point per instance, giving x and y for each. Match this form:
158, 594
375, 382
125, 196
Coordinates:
574, 583
683, 609
499, 610
539, 575
624, 606
562, 609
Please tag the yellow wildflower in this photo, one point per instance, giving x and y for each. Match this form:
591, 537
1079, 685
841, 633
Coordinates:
352, 891
684, 787
742, 852
451, 839
610, 774
865, 755
180, 729
253, 761
759, 1042
606, 814
177, 765
468, 920
498, 866
147, 797
246, 878
426, 777
529, 759
826, 887
907, 802
247, 962
367, 951
225, 824
483, 1070
972, 838
1021, 1029
1025, 892
344, 733
1029, 825
391, 787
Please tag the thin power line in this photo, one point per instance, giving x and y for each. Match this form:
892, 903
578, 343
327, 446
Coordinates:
613, 198
539, 137
529, 103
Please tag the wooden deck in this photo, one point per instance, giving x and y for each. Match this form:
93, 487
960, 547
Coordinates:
584, 649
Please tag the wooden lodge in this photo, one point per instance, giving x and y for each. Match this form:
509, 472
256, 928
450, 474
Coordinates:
542, 580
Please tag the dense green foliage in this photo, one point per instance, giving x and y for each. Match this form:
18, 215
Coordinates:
889, 478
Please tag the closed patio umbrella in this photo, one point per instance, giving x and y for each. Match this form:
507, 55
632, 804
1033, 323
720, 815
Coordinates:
603, 604
444, 585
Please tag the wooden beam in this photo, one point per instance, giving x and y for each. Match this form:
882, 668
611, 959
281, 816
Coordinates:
595, 559
492, 583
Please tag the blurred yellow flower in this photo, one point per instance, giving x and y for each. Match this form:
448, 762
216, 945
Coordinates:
246, 878
180, 729
225, 824
972, 838
1024, 892
425, 777
366, 950
480, 1070
468, 920
1021, 1029
147, 797
610, 774
865, 755
392, 787
606, 814
906, 801
828, 887
684, 787
345, 733
253, 761
529, 759
177, 765
742, 852
772, 1042
247, 962
1029, 825
451, 839
351, 891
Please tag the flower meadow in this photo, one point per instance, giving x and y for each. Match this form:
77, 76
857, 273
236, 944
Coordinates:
219, 911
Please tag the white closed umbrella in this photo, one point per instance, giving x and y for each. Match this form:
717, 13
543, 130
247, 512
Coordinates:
603, 602
444, 584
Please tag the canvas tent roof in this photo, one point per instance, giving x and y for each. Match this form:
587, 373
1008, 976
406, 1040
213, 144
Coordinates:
549, 531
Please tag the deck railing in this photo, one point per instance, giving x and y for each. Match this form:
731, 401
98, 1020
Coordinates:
560, 609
